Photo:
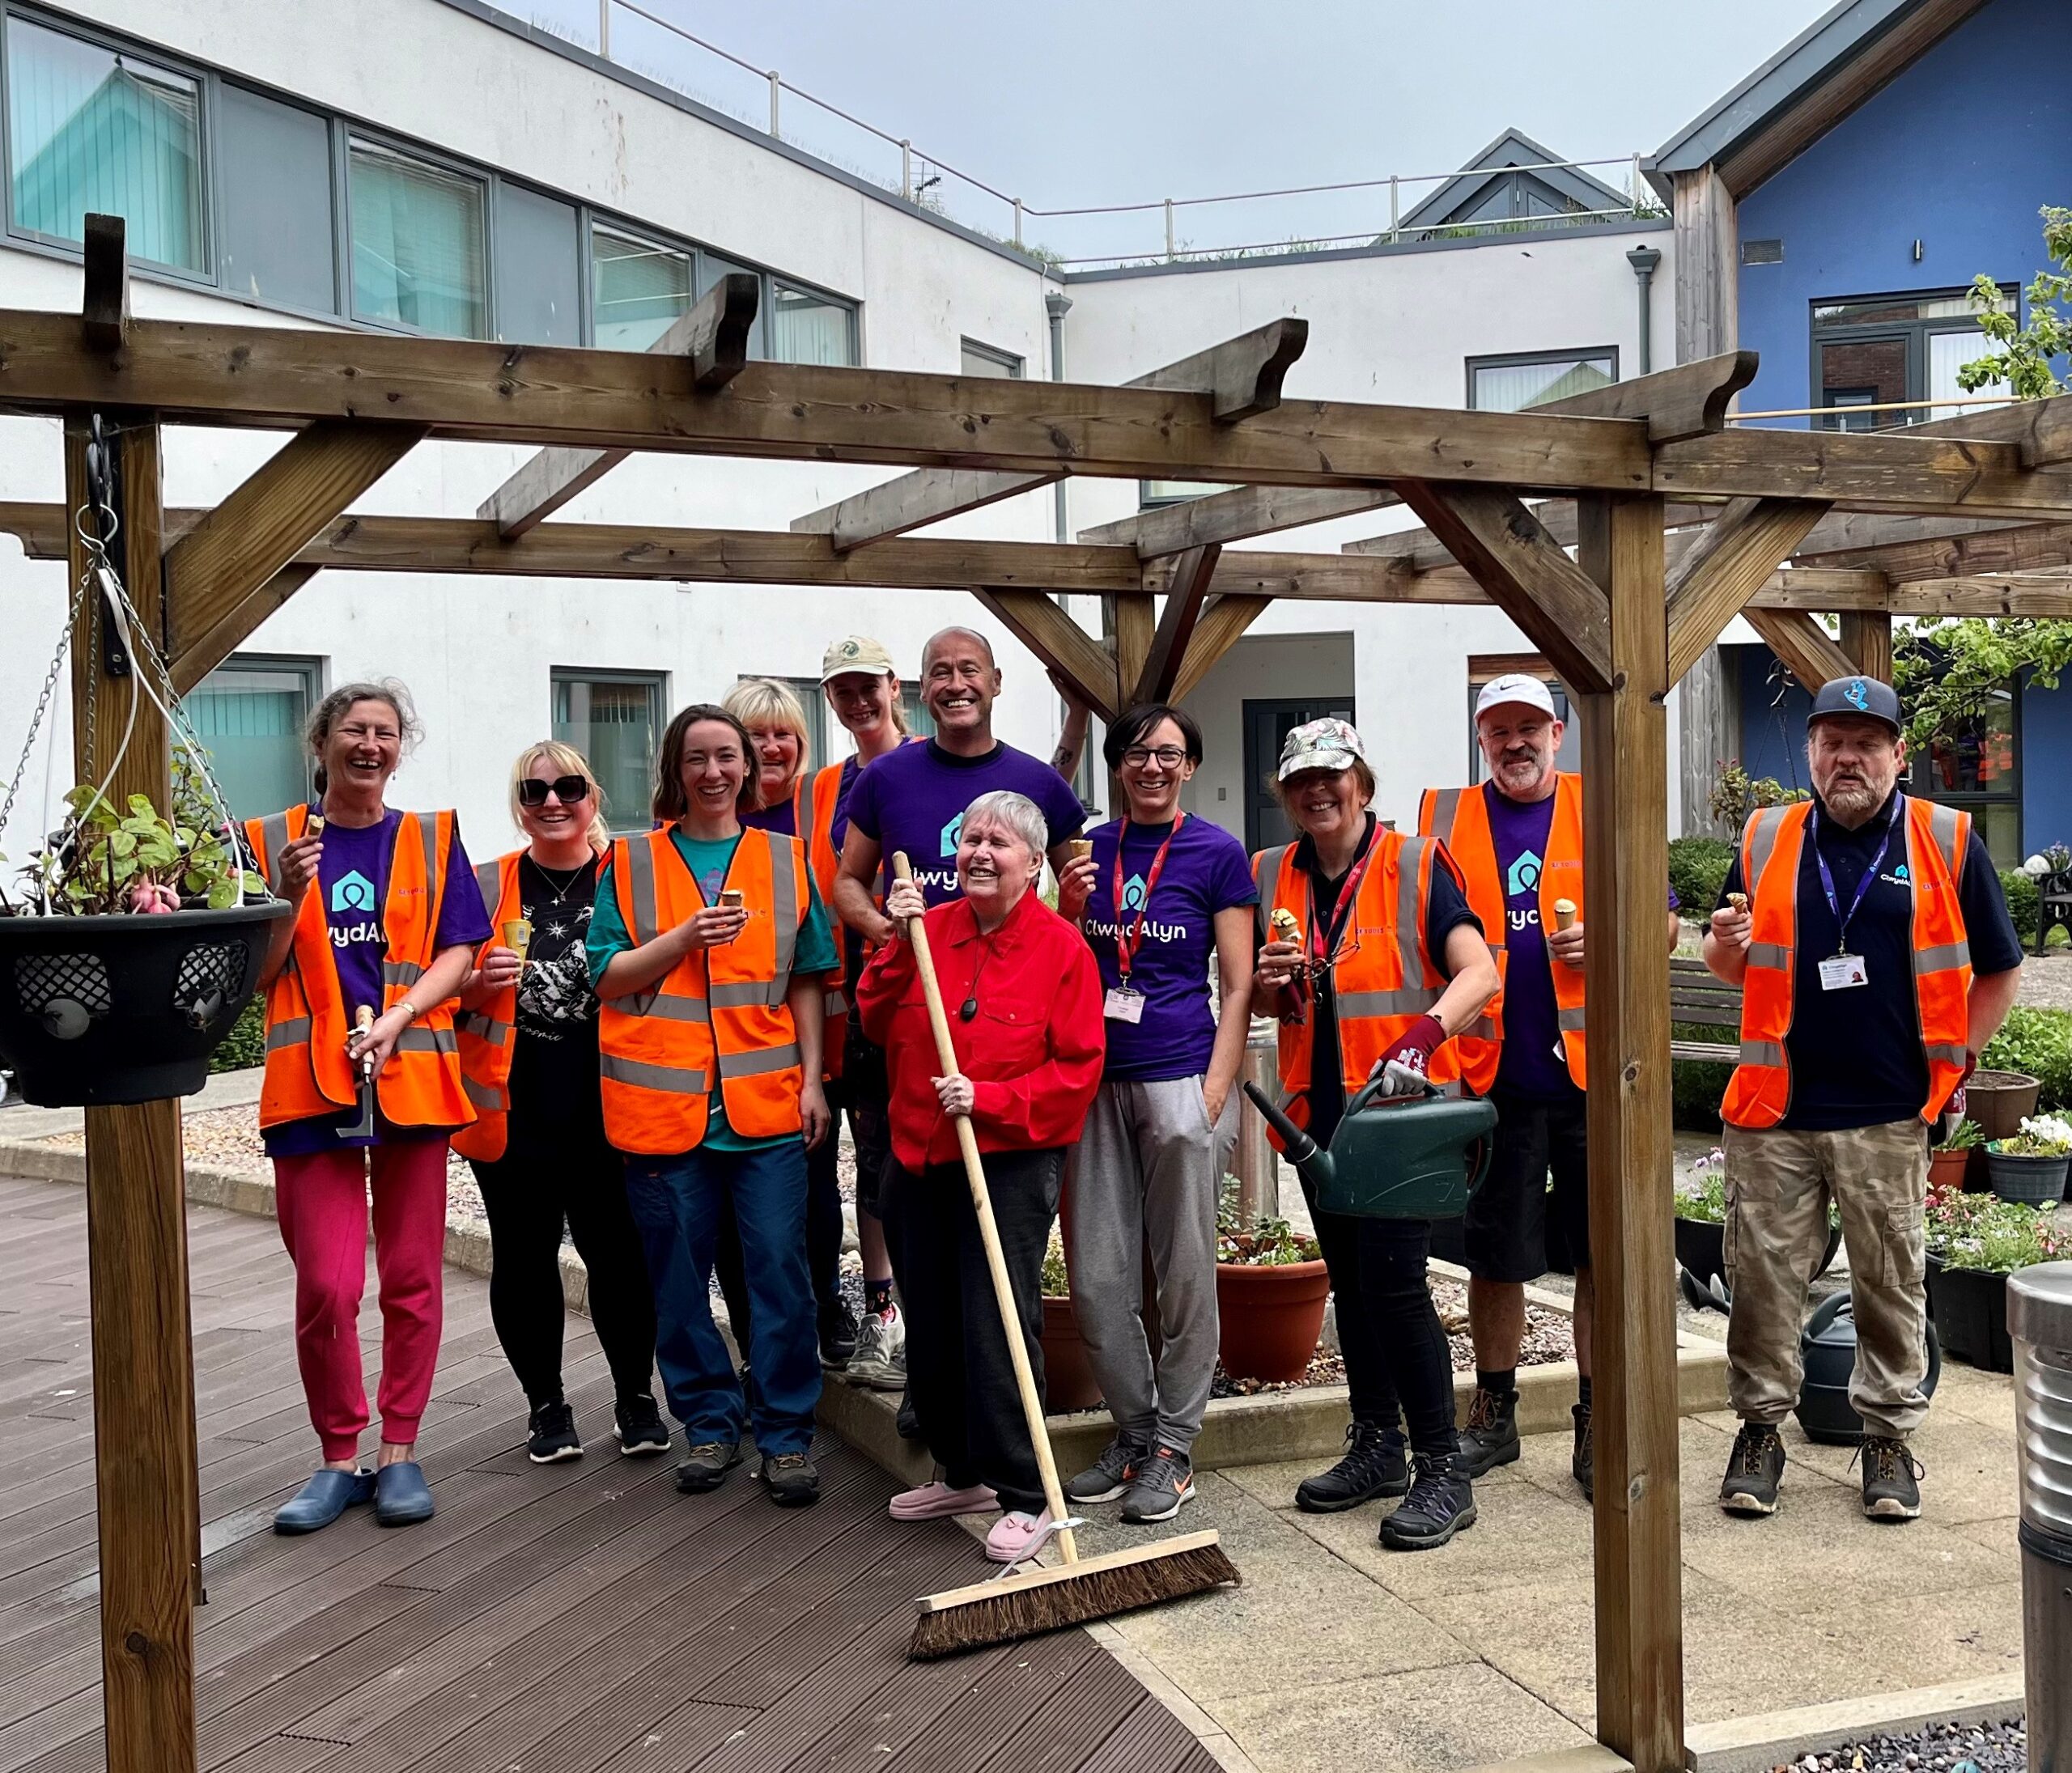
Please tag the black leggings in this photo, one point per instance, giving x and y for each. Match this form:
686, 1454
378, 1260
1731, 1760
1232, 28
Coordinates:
528, 1192
823, 1238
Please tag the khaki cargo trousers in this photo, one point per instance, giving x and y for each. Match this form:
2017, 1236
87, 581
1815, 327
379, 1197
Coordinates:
1778, 1187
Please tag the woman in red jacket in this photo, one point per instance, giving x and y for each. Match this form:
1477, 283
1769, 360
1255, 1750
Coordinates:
1024, 1002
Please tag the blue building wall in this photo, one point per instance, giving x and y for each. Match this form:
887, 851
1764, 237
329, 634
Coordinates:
2047, 766
1959, 152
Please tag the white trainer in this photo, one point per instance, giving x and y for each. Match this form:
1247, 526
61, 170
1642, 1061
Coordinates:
880, 1361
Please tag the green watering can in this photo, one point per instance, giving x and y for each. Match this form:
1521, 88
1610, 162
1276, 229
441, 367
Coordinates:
1399, 1157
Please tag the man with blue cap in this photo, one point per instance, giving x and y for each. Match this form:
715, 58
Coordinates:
1875, 957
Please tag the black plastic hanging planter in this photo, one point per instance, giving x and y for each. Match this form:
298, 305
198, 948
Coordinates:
97, 1011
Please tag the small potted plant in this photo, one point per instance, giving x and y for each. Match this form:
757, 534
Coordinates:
1069, 1381
1975, 1242
1272, 1288
1702, 1231
1949, 1162
130, 944
2030, 1167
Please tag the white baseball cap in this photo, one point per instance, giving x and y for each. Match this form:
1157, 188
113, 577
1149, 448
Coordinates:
857, 652
1515, 686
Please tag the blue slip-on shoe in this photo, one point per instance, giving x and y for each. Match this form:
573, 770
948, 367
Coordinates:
401, 1497
321, 1501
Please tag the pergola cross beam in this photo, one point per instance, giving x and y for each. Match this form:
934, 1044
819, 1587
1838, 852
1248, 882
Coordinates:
1803, 645
1192, 575
1731, 560
1038, 622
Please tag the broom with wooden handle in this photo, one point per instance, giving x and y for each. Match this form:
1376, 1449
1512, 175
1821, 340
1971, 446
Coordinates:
1020, 1605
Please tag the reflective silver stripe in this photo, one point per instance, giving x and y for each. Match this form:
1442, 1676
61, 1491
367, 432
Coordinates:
426, 1040
1266, 877
834, 1004
294, 1032
483, 1095
403, 973
1759, 841
1445, 807
1774, 955
802, 810
484, 1027
489, 882
677, 1079
739, 995
1569, 1020
1409, 920
1767, 1054
664, 1009
1482, 1027
788, 904
1404, 1002
761, 1064
1949, 955
1950, 1055
273, 838
640, 875
1947, 824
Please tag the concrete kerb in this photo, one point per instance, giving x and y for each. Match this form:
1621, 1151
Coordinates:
1770, 1739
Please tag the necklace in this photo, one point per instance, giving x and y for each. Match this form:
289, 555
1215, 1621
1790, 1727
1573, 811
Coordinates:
969, 1008
560, 892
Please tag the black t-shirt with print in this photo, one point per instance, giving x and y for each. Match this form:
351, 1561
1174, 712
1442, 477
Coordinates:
554, 1095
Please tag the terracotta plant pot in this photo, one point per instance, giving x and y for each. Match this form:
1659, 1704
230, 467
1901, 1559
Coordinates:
1069, 1381
1271, 1317
1947, 1169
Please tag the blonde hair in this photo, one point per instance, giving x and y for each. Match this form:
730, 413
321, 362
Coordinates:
568, 761
761, 702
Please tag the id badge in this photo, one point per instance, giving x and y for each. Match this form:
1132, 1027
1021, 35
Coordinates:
1840, 972
1122, 1004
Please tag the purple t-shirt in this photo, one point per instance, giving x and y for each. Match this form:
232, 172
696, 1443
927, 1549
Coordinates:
353, 877
1206, 871
914, 799
776, 818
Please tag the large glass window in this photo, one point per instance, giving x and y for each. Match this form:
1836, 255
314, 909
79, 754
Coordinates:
806, 327
614, 718
280, 231
539, 269
249, 712
1979, 768
1881, 353
640, 290
93, 129
990, 360
419, 249
1513, 384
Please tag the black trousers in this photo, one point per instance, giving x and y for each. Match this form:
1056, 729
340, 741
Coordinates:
530, 1192
957, 1366
823, 1235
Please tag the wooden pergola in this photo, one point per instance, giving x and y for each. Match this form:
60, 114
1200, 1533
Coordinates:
1677, 522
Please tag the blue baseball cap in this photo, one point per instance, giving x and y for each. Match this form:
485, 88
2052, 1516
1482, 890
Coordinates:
1863, 698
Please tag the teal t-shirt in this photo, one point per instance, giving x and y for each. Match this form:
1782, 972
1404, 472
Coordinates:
708, 861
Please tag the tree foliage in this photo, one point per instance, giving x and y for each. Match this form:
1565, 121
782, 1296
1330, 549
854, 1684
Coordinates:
2027, 356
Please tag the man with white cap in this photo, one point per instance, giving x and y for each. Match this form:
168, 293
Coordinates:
1518, 840
1871, 942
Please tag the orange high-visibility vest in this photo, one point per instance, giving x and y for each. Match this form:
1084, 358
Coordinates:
719, 1012
1939, 838
308, 1072
489, 1035
813, 818
1384, 979
1461, 816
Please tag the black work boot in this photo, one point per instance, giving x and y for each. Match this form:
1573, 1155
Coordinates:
1491, 1437
1752, 1471
1373, 1465
1441, 1502
1891, 1479
1583, 1461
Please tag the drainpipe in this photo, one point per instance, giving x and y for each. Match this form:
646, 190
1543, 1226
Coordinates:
1058, 304
1644, 259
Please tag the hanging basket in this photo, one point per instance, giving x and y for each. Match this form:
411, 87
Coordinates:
95, 1011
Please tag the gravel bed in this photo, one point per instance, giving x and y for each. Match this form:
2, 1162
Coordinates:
1935, 1748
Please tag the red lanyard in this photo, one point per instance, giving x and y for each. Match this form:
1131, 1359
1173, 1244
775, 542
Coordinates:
1127, 942
1323, 952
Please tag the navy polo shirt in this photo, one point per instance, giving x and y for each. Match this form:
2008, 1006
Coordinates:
1855, 1055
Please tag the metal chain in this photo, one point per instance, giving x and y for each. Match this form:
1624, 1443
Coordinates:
43, 700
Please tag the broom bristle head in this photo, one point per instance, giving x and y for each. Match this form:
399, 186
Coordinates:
1097, 1594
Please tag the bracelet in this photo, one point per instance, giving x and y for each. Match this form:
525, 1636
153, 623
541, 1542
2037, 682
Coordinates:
408, 1008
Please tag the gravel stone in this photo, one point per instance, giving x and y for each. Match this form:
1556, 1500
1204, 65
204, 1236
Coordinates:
1935, 1747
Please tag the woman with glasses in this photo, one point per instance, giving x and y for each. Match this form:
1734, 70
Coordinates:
1159, 895
528, 1052
1362, 993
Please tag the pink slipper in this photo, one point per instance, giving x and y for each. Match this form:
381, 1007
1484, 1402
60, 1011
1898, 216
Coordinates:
934, 1500
1015, 1535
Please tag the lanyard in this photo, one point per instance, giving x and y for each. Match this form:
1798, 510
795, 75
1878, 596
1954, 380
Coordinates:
1128, 941
1324, 945
1870, 874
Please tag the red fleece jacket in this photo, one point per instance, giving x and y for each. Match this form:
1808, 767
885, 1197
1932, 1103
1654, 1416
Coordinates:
1033, 1052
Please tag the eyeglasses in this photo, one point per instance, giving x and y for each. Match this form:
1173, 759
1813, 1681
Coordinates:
1168, 757
532, 792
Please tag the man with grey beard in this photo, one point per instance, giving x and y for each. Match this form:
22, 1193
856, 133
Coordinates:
1873, 948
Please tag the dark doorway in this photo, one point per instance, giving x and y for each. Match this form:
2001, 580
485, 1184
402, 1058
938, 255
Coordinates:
1266, 725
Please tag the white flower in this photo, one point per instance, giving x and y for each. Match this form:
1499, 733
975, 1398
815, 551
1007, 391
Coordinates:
2036, 866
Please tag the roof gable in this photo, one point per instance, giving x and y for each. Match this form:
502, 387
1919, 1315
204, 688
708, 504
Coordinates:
1549, 190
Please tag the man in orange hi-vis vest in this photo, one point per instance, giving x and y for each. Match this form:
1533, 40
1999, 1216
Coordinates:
1867, 932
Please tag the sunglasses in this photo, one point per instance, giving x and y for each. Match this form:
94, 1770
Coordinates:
532, 792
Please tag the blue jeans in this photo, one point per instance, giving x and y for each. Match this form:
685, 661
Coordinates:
677, 1203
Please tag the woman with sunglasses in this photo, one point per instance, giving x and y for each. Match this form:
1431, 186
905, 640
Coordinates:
528, 1052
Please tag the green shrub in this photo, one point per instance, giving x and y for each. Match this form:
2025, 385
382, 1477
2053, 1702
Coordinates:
2039, 1042
1696, 1089
1697, 870
245, 1045
2020, 889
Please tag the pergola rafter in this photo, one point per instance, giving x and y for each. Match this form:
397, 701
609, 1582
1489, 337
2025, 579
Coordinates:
1607, 618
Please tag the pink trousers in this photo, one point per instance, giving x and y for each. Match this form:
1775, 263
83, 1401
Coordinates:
322, 1200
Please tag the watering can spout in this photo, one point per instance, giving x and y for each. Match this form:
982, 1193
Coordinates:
1301, 1150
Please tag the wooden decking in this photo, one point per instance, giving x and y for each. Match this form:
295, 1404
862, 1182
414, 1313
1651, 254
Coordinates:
567, 1618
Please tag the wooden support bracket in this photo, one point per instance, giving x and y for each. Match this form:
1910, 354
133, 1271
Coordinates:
714, 335
1868, 639
1192, 573
104, 311
1805, 648
1509, 551
1688, 400
1731, 560
1222, 625
1042, 625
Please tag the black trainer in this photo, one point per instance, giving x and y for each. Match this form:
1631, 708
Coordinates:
791, 1480
1491, 1437
1375, 1465
551, 1435
641, 1432
838, 1333
707, 1466
1109, 1475
1440, 1503
1891, 1479
1583, 1461
1752, 1471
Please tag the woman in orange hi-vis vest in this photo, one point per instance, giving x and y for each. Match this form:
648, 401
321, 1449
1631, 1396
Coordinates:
710, 949
528, 1057
387, 916
1371, 959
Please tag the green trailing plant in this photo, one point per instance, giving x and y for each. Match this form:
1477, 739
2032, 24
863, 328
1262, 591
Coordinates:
2036, 1042
1697, 872
1265, 1243
1988, 1235
1736, 794
106, 862
1968, 1136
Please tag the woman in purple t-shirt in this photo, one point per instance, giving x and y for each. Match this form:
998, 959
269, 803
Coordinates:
1160, 893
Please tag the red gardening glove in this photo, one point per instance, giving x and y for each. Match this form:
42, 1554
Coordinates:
1403, 1067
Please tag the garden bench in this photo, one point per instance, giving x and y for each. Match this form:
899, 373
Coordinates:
1695, 995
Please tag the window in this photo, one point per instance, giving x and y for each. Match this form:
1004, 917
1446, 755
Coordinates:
90, 128
987, 360
806, 328
539, 277
249, 712
419, 244
614, 718
1980, 770
1513, 384
639, 289
920, 722
1152, 493
1482, 668
279, 229
1892, 349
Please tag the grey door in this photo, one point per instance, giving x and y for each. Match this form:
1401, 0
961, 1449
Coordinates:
1266, 725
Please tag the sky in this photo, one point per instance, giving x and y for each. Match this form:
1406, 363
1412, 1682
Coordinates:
1086, 102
